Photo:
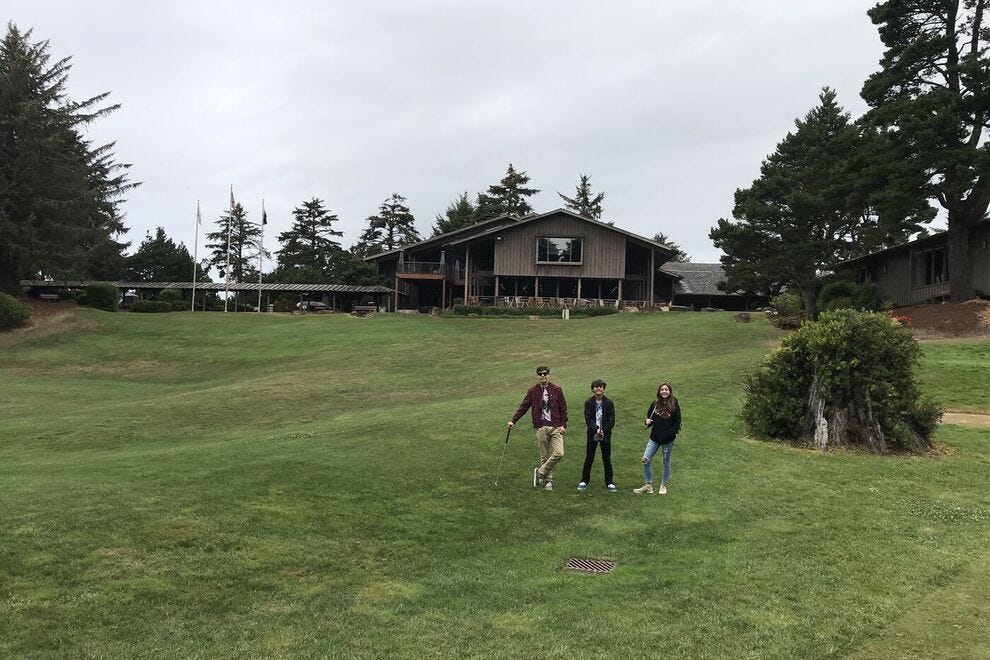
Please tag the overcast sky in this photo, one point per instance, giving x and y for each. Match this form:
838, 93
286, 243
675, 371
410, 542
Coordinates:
668, 106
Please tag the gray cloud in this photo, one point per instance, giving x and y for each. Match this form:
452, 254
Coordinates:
669, 106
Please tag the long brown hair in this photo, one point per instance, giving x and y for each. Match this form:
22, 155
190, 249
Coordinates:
665, 407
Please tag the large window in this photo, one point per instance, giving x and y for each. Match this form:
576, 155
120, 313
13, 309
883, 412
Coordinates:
930, 267
558, 250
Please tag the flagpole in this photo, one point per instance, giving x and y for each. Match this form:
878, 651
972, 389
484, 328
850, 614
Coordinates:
199, 221
261, 249
230, 224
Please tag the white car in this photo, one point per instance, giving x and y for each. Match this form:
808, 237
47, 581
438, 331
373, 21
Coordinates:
312, 306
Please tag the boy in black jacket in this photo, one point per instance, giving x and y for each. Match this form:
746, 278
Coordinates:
599, 415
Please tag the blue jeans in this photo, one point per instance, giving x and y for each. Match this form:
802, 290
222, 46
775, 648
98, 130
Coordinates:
651, 450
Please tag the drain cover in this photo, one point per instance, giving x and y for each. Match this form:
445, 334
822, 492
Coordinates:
589, 565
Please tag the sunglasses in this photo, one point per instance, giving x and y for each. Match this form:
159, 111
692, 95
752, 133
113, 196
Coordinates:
542, 373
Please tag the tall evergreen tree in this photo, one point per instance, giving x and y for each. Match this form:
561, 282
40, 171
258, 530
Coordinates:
310, 242
245, 238
507, 197
393, 227
460, 213
796, 221
60, 195
159, 259
583, 202
679, 254
932, 96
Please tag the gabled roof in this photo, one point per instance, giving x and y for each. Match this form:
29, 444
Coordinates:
444, 239
696, 279
536, 217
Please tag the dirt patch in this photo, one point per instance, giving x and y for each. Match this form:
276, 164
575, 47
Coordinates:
967, 419
966, 319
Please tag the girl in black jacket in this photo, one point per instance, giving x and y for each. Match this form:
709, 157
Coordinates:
599, 415
664, 421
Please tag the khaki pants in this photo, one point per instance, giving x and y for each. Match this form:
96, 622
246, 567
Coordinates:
551, 443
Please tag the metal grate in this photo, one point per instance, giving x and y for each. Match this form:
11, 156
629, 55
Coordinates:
589, 565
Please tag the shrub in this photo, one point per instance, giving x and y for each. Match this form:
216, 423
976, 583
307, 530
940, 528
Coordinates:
284, 305
485, 310
846, 294
170, 295
12, 311
180, 305
788, 304
844, 380
151, 306
101, 295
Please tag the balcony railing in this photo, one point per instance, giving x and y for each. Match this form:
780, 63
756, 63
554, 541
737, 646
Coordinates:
425, 268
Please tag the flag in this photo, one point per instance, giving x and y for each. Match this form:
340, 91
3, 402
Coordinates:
199, 218
264, 215
232, 202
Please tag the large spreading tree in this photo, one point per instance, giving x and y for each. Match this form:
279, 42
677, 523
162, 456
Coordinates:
60, 194
932, 97
584, 202
796, 220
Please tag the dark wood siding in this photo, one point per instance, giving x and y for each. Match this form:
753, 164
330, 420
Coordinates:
603, 250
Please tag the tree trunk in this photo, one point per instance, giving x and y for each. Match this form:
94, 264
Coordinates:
810, 293
960, 276
9, 281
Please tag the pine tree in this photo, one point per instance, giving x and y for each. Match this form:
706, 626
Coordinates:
393, 227
159, 259
309, 243
583, 203
507, 197
679, 254
796, 221
931, 97
60, 195
245, 238
459, 214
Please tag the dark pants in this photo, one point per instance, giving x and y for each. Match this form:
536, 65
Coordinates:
589, 458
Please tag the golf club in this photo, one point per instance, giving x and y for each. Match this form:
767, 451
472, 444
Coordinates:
506, 444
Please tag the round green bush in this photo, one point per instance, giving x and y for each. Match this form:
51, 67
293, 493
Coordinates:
846, 294
12, 312
101, 295
844, 380
170, 295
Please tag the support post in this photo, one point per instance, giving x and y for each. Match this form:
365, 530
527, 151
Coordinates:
579, 288
496, 291
467, 272
653, 273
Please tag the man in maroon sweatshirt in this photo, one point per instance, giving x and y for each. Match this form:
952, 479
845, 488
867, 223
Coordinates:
549, 409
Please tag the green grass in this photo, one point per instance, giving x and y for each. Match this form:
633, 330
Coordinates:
204, 485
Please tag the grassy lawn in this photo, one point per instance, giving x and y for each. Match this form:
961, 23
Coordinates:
205, 485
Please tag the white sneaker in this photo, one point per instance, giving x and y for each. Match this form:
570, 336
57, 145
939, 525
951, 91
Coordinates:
549, 486
582, 486
644, 489
612, 488
663, 489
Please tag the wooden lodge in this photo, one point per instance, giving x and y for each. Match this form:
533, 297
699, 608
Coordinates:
559, 259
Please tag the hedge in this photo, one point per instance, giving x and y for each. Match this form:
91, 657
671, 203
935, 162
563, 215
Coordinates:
549, 312
12, 312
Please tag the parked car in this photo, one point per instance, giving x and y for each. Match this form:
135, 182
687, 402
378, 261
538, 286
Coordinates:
312, 306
